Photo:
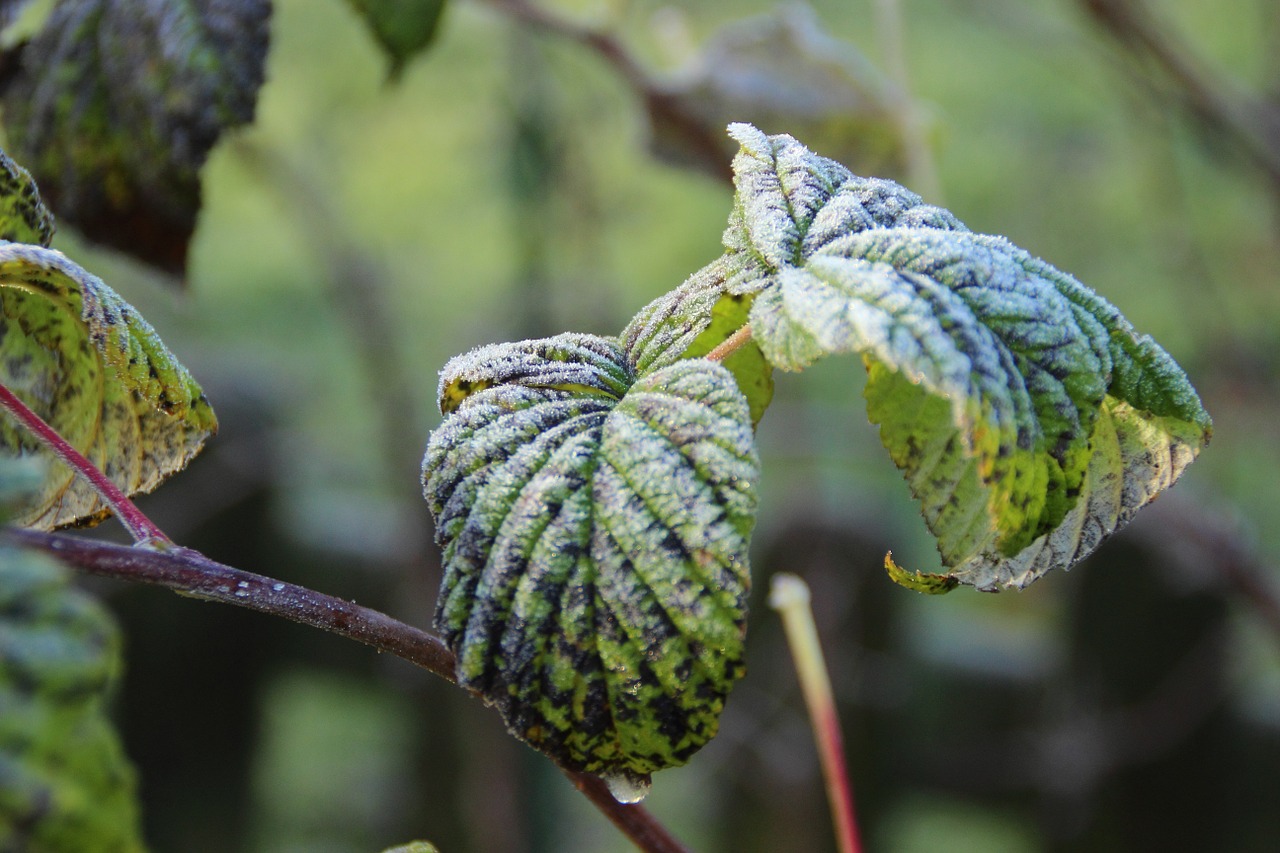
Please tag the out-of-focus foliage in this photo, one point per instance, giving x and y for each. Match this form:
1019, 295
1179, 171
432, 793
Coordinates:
65, 783
114, 106
89, 365
404, 28
780, 70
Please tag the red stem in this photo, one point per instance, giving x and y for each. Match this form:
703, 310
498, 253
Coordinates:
143, 530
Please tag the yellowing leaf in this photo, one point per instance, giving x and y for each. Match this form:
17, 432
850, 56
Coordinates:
81, 358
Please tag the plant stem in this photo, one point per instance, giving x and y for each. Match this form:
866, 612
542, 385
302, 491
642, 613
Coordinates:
143, 530
190, 573
789, 596
731, 344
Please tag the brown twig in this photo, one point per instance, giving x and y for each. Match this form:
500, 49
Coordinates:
192, 574
1247, 118
663, 108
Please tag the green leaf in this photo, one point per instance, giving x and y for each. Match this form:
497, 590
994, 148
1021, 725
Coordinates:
23, 216
595, 527
114, 107
694, 319
1015, 400
403, 28
65, 783
86, 362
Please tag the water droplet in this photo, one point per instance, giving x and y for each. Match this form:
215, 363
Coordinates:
627, 787
277, 586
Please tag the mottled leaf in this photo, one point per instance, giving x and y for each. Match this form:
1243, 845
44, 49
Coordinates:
1029, 418
403, 28
780, 69
595, 526
115, 105
23, 216
65, 783
81, 358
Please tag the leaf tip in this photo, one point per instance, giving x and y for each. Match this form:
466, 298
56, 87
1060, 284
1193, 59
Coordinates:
919, 581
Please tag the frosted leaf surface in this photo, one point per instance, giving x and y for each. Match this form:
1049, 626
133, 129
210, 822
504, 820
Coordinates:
1029, 418
595, 526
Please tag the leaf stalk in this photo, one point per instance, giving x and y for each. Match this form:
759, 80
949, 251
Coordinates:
143, 530
731, 344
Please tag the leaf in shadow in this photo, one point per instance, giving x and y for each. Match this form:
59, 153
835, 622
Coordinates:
114, 107
65, 783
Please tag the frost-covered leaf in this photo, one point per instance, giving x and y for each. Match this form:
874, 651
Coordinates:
595, 525
694, 319
23, 216
780, 69
1029, 418
85, 361
115, 105
65, 783
403, 28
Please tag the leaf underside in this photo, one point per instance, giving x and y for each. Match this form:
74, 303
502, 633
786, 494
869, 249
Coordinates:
1029, 418
81, 358
114, 107
594, 522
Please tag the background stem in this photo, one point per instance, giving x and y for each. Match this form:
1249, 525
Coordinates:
789, 596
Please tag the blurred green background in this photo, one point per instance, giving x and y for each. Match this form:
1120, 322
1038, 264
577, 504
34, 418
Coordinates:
359, 234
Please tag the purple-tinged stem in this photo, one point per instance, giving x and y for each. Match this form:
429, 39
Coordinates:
143, 530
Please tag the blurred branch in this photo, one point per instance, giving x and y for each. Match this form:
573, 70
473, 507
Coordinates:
192, 574
662, 106
1250, 120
